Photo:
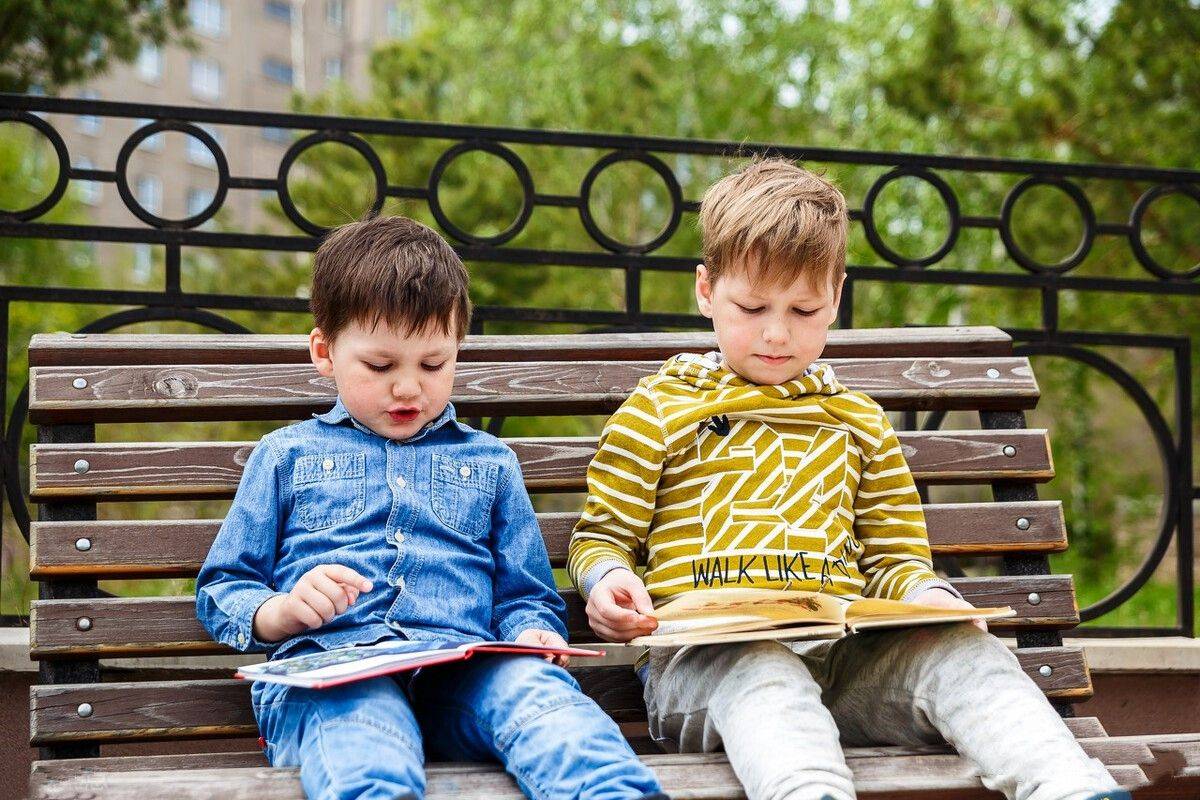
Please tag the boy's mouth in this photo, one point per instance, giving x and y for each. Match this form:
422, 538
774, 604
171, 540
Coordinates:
772, 360
403, 414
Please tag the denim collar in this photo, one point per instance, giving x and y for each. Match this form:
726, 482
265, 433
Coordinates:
338, 414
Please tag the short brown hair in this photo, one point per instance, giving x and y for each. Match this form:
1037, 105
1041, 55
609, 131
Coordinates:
782, 218
392, 270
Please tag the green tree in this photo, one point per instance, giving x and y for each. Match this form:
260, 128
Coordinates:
53, 43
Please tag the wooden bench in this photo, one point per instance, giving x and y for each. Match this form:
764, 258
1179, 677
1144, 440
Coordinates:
79, 381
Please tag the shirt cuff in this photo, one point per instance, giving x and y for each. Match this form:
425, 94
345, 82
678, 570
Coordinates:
513, 627
243, 638
929, 583
589, 579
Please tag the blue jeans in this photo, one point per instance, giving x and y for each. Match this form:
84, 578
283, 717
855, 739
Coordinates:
369, 739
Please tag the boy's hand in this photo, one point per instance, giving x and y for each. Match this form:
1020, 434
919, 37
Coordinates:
547, 639
940, 598
320, 595
619, 607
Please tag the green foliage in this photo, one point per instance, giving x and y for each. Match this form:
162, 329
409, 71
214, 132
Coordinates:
53, 43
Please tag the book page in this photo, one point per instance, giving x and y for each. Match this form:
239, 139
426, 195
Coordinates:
879, 613
712, 608
826, 631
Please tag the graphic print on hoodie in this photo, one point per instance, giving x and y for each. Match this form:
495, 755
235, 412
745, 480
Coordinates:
713, 481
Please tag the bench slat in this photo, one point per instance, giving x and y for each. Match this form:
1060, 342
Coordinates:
886, 774
196, 470
291, 391
136, 626
177, 548
161, 710
77, 349
1087, 729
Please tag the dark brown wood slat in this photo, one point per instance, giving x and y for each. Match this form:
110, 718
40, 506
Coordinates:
177, 548
290, 391
1087, 729
76, 349
163, 710
137, 626
194, 470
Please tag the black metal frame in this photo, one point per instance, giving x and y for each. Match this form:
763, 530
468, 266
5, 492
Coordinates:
633, 258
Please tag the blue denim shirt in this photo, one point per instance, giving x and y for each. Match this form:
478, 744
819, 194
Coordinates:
440, 523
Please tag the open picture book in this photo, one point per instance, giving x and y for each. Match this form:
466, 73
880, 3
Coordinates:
713, 616
347, 664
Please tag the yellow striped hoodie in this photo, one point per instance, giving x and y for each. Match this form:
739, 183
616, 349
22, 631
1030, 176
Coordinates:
712, 481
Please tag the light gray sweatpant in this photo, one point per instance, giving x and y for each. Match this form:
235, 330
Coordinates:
780, 710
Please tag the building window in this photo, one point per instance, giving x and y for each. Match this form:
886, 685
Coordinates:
277, 135
399, 20
279, 9
277, 71
198, 200
149, 193
335, 14
143, 263
333, 69
150, 63
89, 123
151, 144
89, 191
208, 16
198, 152
206, 79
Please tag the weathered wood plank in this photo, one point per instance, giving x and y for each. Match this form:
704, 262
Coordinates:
177, 548
193, 470
290, 391
79, 349
161, 710
695, 777
136, 626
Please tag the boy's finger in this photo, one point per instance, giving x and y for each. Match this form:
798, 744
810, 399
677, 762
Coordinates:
343, 574
332, 590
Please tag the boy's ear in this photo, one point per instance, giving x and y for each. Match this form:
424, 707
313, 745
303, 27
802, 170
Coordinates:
318, 351
837, 299
704, 291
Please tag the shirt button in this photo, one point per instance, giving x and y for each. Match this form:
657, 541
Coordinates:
400, 481
327, 464
241, 638
464, 471
400, 584
399, 537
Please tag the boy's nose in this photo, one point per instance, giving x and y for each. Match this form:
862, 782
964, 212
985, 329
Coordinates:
403, 389
775, 333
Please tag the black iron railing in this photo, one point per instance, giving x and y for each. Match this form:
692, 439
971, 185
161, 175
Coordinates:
635, 258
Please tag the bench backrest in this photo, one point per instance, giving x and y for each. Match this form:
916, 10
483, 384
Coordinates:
79, 381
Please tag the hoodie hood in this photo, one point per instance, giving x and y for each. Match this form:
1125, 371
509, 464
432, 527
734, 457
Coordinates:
708, 372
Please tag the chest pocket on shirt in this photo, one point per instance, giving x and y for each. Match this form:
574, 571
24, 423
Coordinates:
329, 488
463, 492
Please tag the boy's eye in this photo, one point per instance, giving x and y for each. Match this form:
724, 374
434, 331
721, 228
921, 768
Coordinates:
433, 367
377, 367
746, 310
804, 313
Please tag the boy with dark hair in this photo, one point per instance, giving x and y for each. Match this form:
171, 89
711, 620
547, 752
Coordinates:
387, 518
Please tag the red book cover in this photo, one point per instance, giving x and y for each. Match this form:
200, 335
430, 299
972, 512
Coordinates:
347, 664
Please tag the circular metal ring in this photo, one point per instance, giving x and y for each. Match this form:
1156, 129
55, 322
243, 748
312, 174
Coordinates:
872, 233
1161, 433
64, 164
509, 157
1085, 212
673, 189
195, 131
1135, 229
356, 143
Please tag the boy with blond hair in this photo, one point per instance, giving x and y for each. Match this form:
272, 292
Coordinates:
386, 518
754, 467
